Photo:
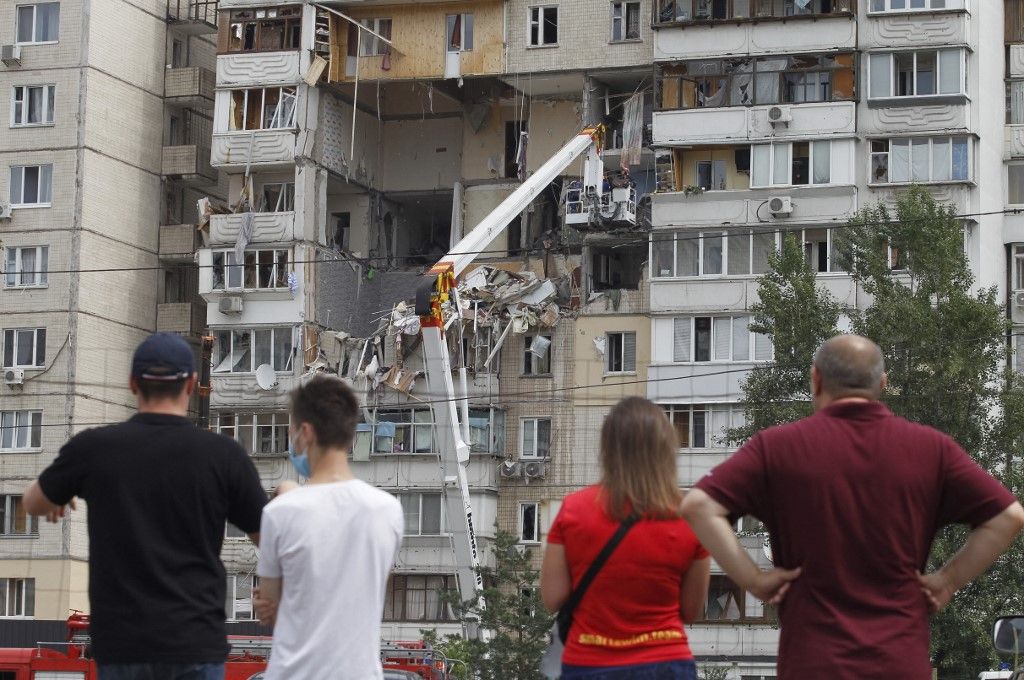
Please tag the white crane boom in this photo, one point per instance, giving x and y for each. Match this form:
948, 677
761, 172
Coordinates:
439, 285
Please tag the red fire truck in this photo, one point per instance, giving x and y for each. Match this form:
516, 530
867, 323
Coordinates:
71, 659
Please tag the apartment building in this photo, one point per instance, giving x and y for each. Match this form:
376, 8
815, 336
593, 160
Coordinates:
787, 116
100, 160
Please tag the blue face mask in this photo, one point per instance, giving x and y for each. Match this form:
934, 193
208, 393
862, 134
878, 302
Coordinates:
300, 461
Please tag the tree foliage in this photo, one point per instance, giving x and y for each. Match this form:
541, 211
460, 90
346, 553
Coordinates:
513, 619
945, 348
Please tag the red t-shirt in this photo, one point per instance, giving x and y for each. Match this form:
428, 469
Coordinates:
854, 495
630, 614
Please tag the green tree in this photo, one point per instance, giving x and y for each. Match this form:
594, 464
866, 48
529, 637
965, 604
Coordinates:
798, 316
513, 619
945, 349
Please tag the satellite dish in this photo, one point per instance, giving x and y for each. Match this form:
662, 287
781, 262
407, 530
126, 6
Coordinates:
265, 377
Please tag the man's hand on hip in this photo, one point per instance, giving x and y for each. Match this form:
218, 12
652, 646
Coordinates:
771, 586
938, 589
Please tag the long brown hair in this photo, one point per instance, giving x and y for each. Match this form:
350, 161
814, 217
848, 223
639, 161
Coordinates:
638, 461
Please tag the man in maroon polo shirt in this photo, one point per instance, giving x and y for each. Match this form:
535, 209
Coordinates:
852, 497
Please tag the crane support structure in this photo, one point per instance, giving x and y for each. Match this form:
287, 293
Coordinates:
436, 296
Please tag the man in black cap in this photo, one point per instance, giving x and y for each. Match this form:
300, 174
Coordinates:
159, 491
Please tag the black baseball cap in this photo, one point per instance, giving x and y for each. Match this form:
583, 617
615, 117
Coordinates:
163, 356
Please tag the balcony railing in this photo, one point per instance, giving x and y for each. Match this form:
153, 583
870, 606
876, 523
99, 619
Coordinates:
199, 14
190, 86
675, 12
187, 318
178, 242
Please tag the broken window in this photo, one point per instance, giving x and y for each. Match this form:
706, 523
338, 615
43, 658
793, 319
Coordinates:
916, 74
537, 355
418, 598
38, 23
32, 105
685, 11
543, 26
31, 185
403, 431
263, 434
278, 197
529, 523
620, 352
239, 597
625, 21
264, 30
24, 347
617, 267
370, 44
535, 438
711, 175
816, 249
20, 430
920, 159
702, 426
262, 109
26, 266
340, 229
243, 350
459, 32
744, 81
261, 270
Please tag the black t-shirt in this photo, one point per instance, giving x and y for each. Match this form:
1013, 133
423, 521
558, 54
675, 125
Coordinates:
159, 491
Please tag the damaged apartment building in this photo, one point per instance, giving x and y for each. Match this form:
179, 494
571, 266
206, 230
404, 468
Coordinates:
361, 142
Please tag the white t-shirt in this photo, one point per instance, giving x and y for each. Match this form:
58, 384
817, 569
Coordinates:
333, 546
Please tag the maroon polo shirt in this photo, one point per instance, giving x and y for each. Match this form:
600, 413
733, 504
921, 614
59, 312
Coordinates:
854, 496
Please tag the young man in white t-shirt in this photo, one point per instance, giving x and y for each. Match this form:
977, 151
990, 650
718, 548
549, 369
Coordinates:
326, 548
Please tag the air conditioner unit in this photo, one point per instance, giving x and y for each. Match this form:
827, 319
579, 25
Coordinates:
11, 55
779, 114
5, 211
1018, 298
511, 468
231, 305
14, 376
533, 469
780, 205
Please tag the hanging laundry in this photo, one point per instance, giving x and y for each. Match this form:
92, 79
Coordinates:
632, 131
245, 230
521, 155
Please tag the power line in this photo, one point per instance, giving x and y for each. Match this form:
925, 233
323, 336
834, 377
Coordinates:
619, 241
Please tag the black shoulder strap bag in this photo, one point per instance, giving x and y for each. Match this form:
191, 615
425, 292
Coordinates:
565, 614
551, 663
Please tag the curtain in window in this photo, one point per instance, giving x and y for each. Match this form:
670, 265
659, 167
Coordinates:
899, 161
941, 159
919, 160
881, 75
949, 71
960, 158
740, 338
822, 153
681, 338
723, 336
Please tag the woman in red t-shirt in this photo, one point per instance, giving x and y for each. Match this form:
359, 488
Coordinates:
629, 623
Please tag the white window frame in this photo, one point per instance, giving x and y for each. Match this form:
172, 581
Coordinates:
754, 340
537, 363
538, 22
623, 7
232, 592
252, 331
420, 497
812, 145
252, 429
17, 598
44, 186
929, 6
931, 140
224, 265
1018, 266
535, 439
10, 503
699, 236
370, 45
1018, 346
522, 522
35, 24
24, 425
466, 30
418, 421
284, 94
734, 415
16, 336
19, 105
233, 533
625, 370
14, 274
891, 72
